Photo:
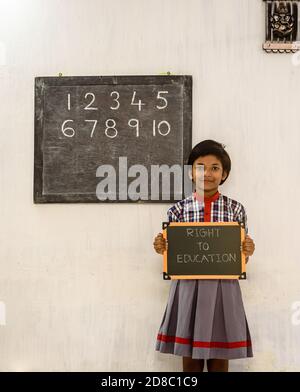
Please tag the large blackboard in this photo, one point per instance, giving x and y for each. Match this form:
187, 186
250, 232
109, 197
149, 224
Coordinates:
82, 123
204, 250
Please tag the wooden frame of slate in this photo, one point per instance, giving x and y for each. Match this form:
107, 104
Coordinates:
204, 250
83, 123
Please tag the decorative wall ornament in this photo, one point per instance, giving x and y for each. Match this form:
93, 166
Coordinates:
282, 26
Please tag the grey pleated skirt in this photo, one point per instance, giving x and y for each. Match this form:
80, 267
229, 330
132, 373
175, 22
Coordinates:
205, 319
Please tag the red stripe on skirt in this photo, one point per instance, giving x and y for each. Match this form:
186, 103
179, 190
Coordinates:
175, 339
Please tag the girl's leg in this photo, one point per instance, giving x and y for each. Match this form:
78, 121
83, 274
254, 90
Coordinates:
192, 365
217, 365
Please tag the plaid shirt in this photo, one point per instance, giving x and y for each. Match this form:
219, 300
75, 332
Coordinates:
219, 208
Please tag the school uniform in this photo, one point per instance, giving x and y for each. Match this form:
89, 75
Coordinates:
205, 319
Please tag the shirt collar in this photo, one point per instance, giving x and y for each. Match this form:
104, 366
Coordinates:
207, 199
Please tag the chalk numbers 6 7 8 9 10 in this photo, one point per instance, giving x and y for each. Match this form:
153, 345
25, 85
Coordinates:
109, 126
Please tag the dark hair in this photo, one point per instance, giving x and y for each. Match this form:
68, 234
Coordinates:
211, 147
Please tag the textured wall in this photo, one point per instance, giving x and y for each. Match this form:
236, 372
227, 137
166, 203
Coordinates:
67, 307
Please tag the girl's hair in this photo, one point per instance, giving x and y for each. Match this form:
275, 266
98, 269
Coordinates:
211, 147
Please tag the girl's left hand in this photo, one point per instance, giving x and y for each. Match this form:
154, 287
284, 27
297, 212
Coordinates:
248, 246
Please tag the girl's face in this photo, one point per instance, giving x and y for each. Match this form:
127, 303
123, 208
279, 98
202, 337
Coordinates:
209, 167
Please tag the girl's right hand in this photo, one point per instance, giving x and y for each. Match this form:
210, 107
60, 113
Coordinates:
160, 244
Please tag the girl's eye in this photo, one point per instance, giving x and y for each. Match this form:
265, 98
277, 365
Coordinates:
215, 167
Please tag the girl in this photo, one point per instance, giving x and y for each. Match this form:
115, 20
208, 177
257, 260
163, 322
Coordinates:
205, 319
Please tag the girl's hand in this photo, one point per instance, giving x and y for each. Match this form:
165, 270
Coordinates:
160, 244
248, 246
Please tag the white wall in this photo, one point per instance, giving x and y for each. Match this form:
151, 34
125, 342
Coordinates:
67, 307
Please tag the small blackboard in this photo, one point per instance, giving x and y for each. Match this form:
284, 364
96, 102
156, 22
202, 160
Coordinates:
91, 129
204, 250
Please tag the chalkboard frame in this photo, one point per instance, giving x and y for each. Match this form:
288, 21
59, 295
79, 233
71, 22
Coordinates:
44, 81
242, 274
